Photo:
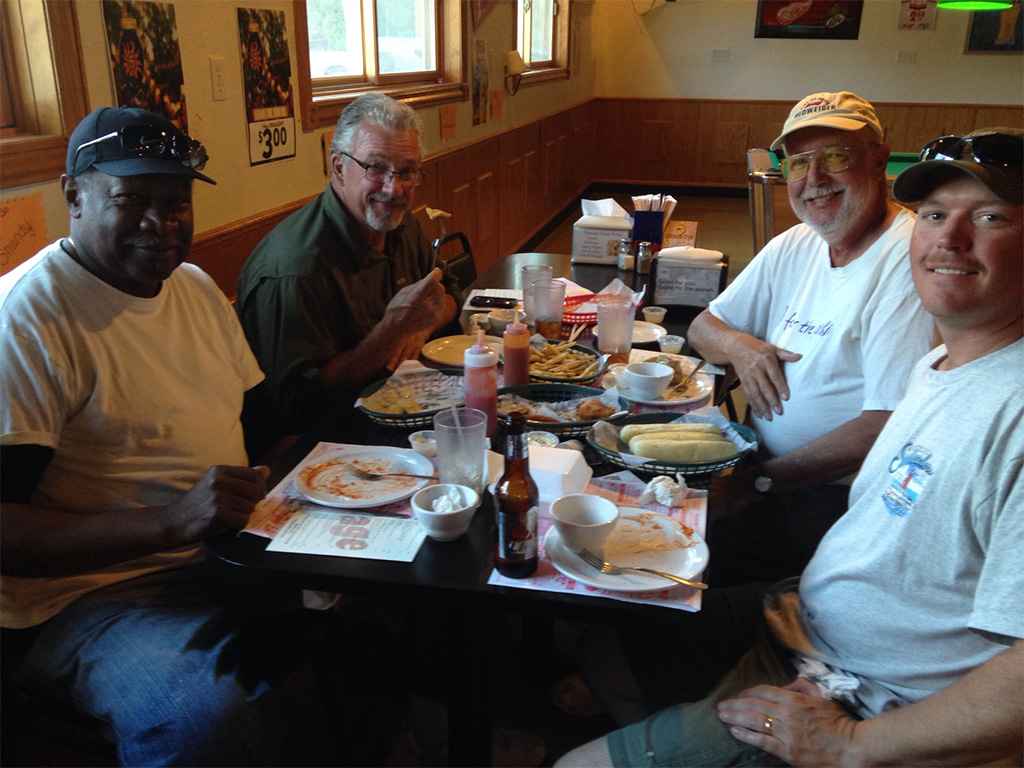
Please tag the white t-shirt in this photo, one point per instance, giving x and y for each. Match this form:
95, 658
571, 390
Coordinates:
860, 328
137, 397
921, 580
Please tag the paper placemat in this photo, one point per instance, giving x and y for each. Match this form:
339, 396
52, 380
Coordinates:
624, 489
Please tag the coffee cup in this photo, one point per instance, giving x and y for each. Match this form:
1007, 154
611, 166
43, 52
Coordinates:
648, 381
583, 521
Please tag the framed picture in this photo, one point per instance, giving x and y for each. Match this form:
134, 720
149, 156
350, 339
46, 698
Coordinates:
480, 9
996, 31
809, 19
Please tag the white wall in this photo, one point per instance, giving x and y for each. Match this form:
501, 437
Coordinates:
667, 53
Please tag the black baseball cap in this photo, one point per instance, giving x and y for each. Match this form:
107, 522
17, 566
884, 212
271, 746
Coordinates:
131, 142
993, 156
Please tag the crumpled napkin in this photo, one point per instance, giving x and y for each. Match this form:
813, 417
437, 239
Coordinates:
664, 490
831, 684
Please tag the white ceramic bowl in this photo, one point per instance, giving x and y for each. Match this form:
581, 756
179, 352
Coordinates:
583, 521
648, 381
445, 526
424, 442
499, 319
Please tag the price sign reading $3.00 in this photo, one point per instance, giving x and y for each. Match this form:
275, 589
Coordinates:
271, 140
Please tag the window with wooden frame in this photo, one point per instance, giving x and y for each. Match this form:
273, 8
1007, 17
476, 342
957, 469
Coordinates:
543, 39
43, 94
409, 49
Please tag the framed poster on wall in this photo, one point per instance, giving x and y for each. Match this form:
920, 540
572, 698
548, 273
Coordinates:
996, 31
809, 19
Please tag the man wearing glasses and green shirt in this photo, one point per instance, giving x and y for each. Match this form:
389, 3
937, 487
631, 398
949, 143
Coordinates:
822, 328
348, 287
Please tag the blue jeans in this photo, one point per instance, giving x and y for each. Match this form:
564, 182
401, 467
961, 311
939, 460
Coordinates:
691, 734
173, 663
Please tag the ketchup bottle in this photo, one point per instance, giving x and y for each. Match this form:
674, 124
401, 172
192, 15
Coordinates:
517, 354
481, 373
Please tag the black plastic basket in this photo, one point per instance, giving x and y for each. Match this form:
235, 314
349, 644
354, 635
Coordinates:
654, 467
417, 420
557, 393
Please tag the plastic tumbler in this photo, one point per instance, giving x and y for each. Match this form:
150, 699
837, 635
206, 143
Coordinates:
530, 274
461, 447
548, 306
615, 328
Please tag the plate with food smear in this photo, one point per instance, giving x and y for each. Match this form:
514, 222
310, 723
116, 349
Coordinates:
329, 482
640, 538
451, 350
700, 387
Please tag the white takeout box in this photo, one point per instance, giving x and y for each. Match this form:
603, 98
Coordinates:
558, 472
595, 239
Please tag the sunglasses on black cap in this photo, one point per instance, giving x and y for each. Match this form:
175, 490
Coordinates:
1000, 150
148, 141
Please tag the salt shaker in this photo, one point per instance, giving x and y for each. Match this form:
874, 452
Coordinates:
625, 255
643, 258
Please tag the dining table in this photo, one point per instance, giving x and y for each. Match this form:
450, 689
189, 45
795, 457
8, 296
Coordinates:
452, 575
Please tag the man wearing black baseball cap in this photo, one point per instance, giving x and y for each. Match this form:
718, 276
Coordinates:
121, 450
903, 643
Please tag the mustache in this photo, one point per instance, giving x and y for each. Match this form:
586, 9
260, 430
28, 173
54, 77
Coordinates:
813, 192
384, 197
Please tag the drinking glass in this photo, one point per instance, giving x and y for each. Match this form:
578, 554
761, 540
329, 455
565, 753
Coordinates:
462, 447
530, 274
548, 306
615, 328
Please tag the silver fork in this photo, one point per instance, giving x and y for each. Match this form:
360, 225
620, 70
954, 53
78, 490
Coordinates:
362, 474
613, 570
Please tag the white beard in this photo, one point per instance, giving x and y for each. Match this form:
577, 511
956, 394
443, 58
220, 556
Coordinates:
383, 222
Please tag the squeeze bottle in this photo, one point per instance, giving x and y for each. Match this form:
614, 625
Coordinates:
481, 374
517, 354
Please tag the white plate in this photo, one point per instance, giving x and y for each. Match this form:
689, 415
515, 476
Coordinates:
327, 481
705, 383
647, 333
451, 349
637, 530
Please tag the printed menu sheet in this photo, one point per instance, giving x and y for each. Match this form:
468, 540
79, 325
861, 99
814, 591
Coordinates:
293, 524
624, 489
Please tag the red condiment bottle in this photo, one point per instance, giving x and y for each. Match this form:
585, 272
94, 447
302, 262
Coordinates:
517, 354
481, 373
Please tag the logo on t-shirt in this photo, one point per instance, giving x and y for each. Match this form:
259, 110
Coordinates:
910, 469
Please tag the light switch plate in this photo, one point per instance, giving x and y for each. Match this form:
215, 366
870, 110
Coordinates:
217, 78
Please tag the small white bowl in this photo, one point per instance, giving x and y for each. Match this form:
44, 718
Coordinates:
583, 521
445, 526
424, 442
618, 372
654, 315
648, 381
671, 345
539, 437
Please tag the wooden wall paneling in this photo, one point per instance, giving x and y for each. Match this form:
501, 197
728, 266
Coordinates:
428, 195
994, 117
488, 203
515, 214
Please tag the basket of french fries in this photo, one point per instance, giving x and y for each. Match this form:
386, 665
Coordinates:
565, 362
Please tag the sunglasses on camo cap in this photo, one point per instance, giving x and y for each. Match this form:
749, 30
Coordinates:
999, 150
148, 141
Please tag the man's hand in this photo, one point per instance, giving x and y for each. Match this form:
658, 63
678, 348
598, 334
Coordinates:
221, 500
759, 366
793, 723
409, 350
417, 307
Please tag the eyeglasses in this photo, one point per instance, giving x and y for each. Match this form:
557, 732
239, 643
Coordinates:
998, 149
147, 141
829, 159
378, 174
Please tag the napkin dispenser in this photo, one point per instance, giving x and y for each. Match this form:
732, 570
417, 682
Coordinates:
688, 276
558, 472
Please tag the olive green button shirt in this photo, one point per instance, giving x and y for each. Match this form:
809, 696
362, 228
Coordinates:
315, 287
